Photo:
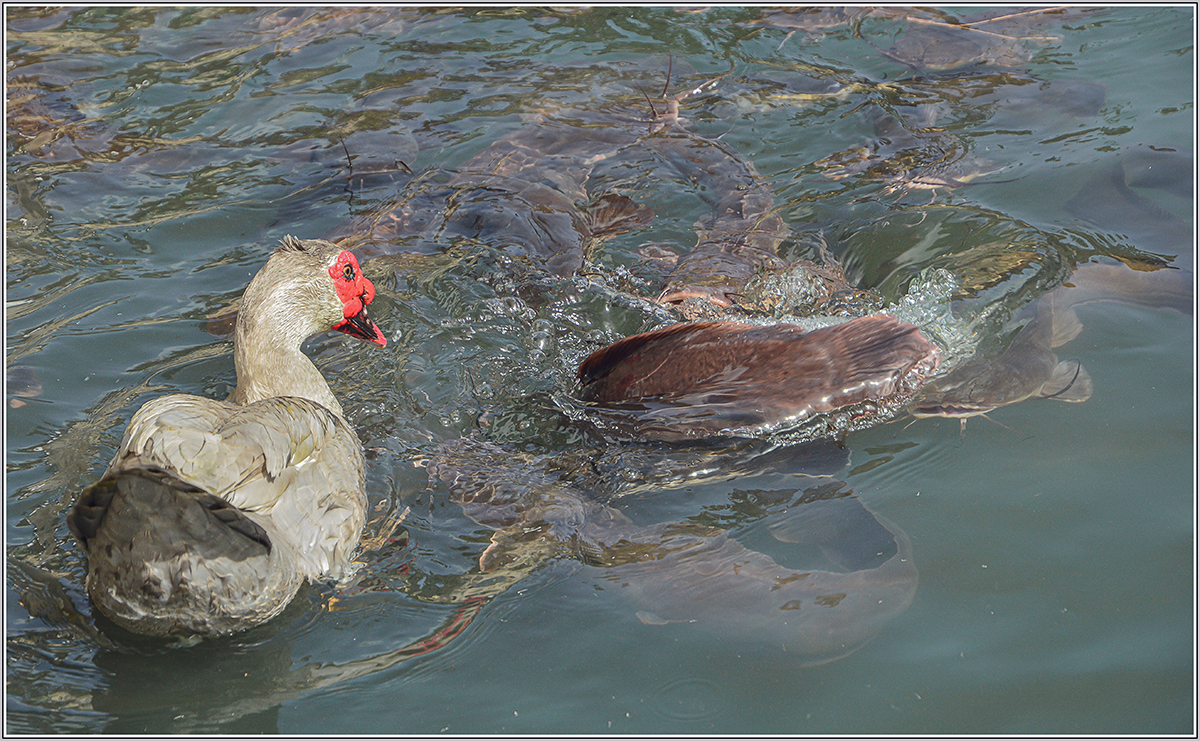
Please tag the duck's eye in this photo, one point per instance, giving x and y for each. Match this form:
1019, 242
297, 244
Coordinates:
348, 271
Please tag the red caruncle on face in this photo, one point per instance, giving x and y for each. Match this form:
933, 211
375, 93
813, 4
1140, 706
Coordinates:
352, 286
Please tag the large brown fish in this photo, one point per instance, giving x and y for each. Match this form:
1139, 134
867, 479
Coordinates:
527, 194
524, 195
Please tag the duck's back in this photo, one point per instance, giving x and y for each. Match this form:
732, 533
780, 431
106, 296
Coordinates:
224, 510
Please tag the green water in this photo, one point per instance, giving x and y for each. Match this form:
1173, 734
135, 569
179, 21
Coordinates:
155, 156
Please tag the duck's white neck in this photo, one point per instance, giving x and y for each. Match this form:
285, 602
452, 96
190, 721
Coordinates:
270, 370
275, 319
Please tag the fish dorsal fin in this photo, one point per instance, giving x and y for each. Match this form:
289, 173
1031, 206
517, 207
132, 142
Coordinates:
1069, 382
516, 549
599, 363
1066, 327
614, 214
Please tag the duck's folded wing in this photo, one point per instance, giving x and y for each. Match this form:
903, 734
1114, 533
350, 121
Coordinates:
290, 463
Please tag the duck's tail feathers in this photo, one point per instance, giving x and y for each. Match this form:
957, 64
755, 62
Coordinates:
154, 512
169, 558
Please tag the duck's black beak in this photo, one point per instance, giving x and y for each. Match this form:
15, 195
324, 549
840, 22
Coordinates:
361, 326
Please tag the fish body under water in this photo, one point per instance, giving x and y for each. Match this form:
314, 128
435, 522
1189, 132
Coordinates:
524, 194
530, 194
1108, 201
857, 572
1028, 367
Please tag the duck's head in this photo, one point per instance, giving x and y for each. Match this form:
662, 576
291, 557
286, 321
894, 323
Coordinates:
310, 286
355, 291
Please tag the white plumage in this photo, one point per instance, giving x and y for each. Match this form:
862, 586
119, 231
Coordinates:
213, 513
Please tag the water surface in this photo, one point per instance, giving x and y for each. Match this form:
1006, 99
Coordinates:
155, 156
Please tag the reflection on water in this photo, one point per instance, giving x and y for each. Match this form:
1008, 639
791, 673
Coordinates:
526, 183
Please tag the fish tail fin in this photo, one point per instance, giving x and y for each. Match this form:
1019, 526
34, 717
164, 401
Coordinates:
612, 214
1066, 327
1070, 382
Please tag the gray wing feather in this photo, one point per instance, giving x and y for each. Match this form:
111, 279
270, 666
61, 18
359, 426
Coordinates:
291, 464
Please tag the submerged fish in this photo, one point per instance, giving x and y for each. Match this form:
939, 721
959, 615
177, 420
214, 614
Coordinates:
861, 573
740, 240
1107, 200
941, 47
21, 380
531, 195
816, 613
524, 195
1028, 367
